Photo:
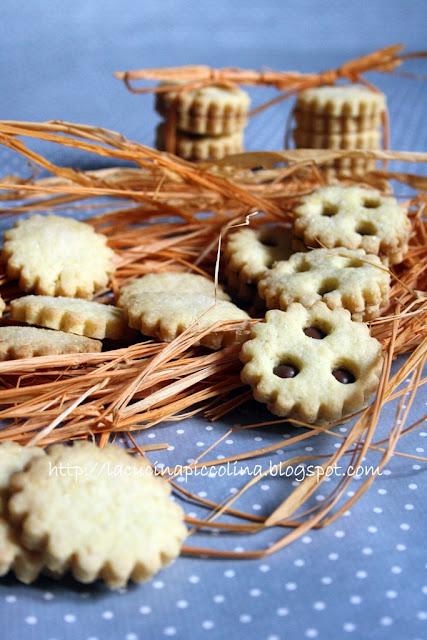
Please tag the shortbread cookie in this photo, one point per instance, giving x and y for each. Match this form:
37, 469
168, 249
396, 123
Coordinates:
2, 306
13, 557
354, 217
249, 252
192, 147
28, 342
313, 365
362, 140
354, 101
171, 282
309, 121
83, 317
212, 111
108, 516
57, 256
339, 277
165, 315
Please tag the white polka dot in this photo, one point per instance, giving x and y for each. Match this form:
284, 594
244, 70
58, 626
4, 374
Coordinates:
131, 636
361, 574
377, 510
333, 556
422, 615
229, 441
350, 494
151, 435
273, 637
290, 586
395, 569
320, 498
209, 428
194, 579
416, 467
145, 610
382, 492
308, 448
208, 624
169, 631
107, 615
355, 599
401, 547
202, 494
245, 618
409, 506
258, 439
419, 450
256, 507
412, 486
69, 617
326, 580
218, 598
424, 590
255, 593
229, 573
372, 529
367, 551
386, 621
299, 562
265, 487
158, 584
10, 599
180, 431
264, 568
391, 594
182, 604
349, 627
282, 611
311, 633
31, 620
306, 539
405, 526
319, 606
233, 490
339, 534
386, 472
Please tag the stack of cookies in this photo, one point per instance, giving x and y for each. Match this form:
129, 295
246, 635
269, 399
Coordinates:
342, 117
209, 121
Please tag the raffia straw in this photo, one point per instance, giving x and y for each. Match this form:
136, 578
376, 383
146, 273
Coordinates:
139, 386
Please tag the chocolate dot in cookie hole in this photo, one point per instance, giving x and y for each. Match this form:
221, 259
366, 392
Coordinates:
366, 229
315, 332
343, 375
269, 242
286, 370
327, 286
329, 210
371, 203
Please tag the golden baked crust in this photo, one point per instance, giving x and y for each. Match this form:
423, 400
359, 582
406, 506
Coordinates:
28, 342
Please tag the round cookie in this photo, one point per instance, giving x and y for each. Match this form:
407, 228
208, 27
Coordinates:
13, 556
354, 217
323, 123
359, 140
336, 101
72, 315
193, 147
171, 282
99, 513
28, 342
339, 277
208, 111
314, 365
250, 252
57, 256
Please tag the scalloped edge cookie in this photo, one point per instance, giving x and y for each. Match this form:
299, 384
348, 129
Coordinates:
349, 100
313, 394
30, 342
345, 141
324, 124
192, 147
72, 315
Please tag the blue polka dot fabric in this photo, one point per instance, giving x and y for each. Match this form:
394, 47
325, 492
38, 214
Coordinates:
365, 575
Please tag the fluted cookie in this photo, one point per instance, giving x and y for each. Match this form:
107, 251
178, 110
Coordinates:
107, 517
250, 252
339, 277
309, 121
354, 217
212, 111
13, 556
354, 101
28, 342
313, 365
57, 256
193, 147
171, 282
72, 315
360, 140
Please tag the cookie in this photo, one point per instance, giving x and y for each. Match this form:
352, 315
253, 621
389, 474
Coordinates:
354, 217
192, 147
171, 282
355, 101
362, 140
314, 365
28, 342
339, 277
250, 252
165, 315
211, 111
309, 121
72, 315
13, 556
57, 256
99, 513
2, 306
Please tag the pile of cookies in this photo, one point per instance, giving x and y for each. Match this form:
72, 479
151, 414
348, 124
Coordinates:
340, 117
97, 513
210, 121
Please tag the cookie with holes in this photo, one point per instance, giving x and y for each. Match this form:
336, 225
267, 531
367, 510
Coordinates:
354, 217
313, 365
339, 277
249, 253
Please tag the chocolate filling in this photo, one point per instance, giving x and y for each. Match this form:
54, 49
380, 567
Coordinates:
343, 375
315, 333
285, 371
